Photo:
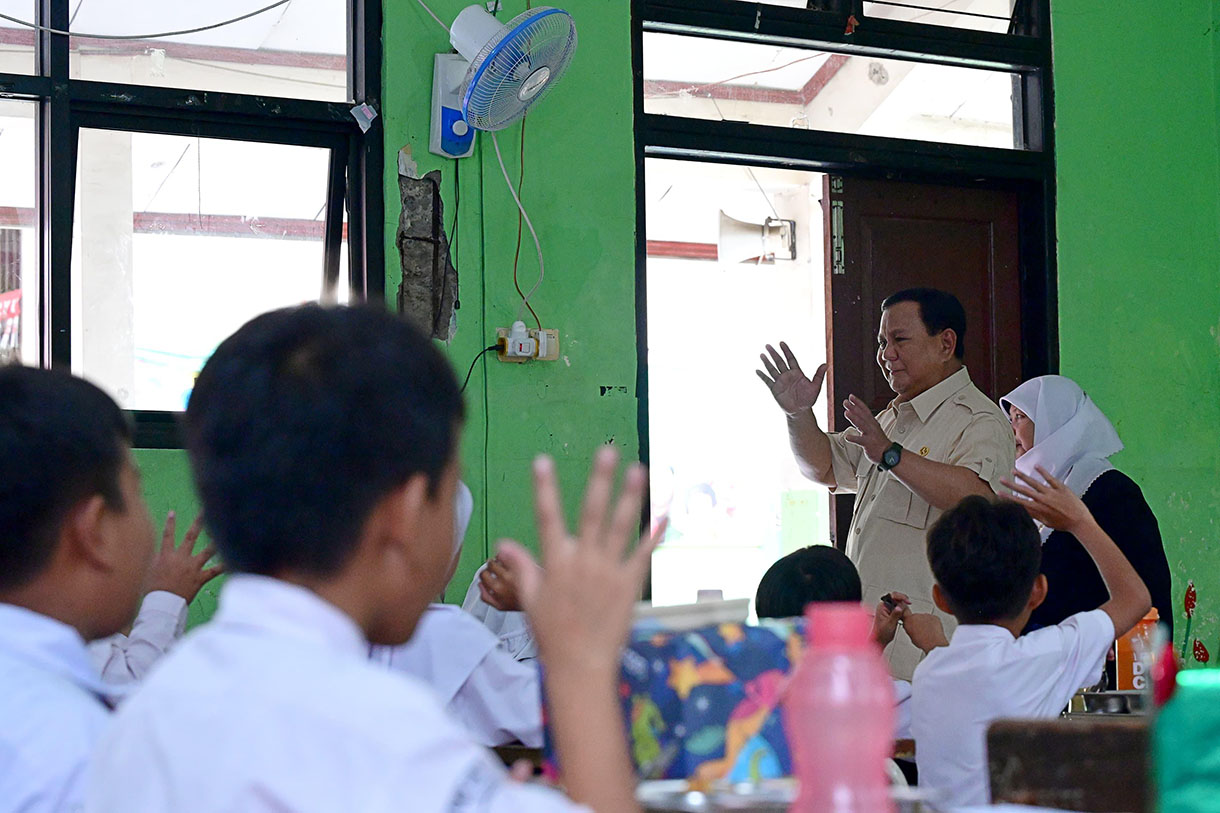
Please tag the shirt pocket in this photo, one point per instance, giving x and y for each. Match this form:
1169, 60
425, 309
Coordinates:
897, 503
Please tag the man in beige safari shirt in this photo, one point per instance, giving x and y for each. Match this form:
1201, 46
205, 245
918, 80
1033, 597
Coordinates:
938, 441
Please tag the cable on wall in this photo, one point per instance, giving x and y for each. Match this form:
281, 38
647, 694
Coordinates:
517, 252
155, 36
525, 300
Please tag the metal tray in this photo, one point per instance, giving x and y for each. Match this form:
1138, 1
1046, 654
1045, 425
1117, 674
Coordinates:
768, 796
1131, 701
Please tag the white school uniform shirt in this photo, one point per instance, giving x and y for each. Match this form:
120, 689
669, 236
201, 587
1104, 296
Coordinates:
122, 659
53, 708
986, 674
902, 709
495, 697
274, 706
512, 629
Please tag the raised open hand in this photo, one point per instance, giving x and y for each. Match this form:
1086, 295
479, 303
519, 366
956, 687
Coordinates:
1051, 502
791, 388
867, 431
579, 602
177, 568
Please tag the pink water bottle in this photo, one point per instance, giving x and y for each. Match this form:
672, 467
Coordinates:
839, 715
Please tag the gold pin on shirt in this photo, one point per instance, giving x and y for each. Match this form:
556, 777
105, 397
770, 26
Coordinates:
924, 451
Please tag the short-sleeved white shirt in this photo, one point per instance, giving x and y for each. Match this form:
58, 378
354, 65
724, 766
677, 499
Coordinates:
496, 698
986, 674
274, 706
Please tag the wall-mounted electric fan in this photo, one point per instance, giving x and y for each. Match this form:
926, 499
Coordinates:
499, 71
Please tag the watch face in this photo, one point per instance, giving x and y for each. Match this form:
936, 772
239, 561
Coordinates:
890, 458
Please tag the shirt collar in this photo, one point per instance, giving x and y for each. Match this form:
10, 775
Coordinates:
52, 646
927, 401
974, 633
287, 610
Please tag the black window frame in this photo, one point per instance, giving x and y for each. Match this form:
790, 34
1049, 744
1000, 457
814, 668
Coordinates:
66, 105
1029, 169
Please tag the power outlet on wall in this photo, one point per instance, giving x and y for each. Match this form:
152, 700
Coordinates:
519, 344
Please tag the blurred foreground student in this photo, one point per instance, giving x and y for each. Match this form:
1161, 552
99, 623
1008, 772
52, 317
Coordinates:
75, 543
324, 445
985, 557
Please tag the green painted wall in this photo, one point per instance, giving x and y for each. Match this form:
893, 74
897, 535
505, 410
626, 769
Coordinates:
579, 191
1139, 258
168, 487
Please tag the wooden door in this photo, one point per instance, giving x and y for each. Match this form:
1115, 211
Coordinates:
883, 236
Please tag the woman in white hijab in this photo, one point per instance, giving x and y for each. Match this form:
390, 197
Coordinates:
1059, 428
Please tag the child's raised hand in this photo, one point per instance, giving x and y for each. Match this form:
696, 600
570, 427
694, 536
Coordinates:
579, 606
177, 568
887, 615
500, 583
925, 631
579, 603
1050, 502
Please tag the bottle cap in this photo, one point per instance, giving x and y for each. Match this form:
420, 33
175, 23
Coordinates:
839, 625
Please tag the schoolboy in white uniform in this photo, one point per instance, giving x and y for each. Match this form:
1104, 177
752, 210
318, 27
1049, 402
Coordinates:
323, 442
75, 543
985, 557
174, 579
495, 697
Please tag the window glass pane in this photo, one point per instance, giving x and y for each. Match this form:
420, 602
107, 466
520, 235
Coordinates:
342, 295
178, 241
298, 50
17, 41
737, 504
980, 15
18, 235
772, 85
786, 3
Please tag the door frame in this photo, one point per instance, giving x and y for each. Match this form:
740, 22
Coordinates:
1030, 171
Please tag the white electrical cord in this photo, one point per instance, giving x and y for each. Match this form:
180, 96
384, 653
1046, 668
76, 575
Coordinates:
433, 13
159, 35
541, 268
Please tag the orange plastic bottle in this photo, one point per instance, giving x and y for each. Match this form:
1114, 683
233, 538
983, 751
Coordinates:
1133, 651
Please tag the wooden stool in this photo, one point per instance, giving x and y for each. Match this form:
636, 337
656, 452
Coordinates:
1095, 764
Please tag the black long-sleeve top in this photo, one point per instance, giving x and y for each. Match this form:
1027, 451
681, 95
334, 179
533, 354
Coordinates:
1074, 583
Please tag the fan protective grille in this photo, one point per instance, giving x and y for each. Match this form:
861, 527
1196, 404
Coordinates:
518, 67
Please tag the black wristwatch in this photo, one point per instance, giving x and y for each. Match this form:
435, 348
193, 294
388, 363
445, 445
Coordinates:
890, 457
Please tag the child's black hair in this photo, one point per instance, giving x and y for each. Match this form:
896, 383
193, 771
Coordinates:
62, 440
815, 573
303, 420
985, 555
